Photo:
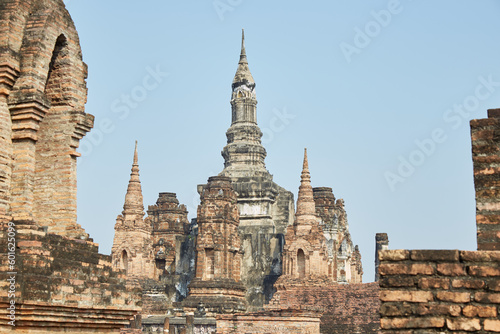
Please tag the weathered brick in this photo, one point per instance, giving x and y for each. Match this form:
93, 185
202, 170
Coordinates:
472, 311
397, 281
393, 269
421, 269
427, 322
475, 284
454, 297
399, 309
435, 255
494, 285
406, 296
484, 271
438, 309
484, 297
463, 324
451, 269
492, 325
434, 283
394, 255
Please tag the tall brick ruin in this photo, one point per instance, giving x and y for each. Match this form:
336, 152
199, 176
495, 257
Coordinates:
317, 246
42, 111
217, 283
61, 281
132, 245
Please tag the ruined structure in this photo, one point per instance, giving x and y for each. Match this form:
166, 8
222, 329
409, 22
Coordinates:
486, 157
227, 261
265, 214
265, 208
217, 283
315, 251
133, 242
381, 243
57, 278
451, 291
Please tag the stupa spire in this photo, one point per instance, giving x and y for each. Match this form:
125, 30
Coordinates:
243, 75
134, 203
306, 207
244, 154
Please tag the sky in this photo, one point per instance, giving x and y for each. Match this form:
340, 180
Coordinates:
380, 93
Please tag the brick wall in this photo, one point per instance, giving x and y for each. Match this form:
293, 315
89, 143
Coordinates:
64, 283
485, 135
348, 308
439, 291
290, 322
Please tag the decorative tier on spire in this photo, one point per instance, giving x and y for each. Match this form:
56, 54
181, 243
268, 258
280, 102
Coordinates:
306, 208
244, 154
133, 199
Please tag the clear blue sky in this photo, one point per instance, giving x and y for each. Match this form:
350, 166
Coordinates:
376, 90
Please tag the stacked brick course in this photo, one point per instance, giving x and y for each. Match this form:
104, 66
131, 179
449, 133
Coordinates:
64, 284
439, 291
285, 321
485, 135
346, 308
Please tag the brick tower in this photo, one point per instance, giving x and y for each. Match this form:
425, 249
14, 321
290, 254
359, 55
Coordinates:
318, 245
265, 208
170, 227
217, 283
305, 254
132, 246
347, 266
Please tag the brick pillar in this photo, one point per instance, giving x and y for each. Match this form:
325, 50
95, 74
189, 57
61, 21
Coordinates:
8, 74
485, 135
381, 243
26, 118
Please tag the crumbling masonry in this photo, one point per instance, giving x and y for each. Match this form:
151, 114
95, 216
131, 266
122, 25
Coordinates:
61, 281
230, 257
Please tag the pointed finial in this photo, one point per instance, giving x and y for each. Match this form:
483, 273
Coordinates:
243, 52
133, 197
305, 166
136, 160
306, 209
243, 74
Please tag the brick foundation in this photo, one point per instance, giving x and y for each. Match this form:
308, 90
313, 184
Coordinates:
291, 322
